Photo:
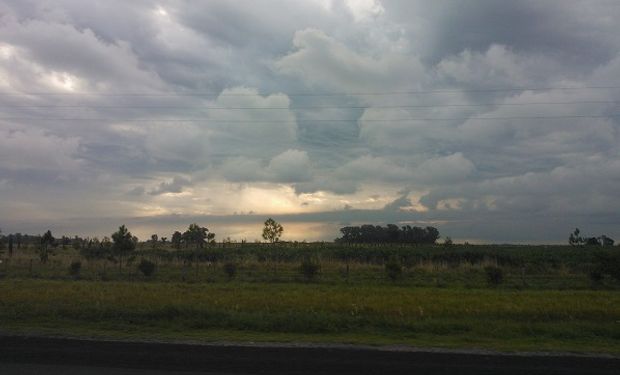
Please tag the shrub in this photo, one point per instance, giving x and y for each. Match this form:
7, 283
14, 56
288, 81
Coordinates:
609, 264
393, 269
494, 275
596, 276
230, 269
146, 267
75, 268
310, 268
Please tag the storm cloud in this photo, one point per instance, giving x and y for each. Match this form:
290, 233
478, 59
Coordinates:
494, 121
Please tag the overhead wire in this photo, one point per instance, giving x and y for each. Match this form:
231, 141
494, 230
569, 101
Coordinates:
312, 120
198, 108
326, 94
465, 105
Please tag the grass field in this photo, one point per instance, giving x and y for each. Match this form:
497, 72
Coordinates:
584, 321
547, 299
524, 267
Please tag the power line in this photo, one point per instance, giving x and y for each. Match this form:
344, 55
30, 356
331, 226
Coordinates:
300, 94
614, 115
85, 106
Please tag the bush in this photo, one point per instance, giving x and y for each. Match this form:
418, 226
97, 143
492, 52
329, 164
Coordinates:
494, 275
393, 269
75, 268
230, 269
146, 267
310, 268
609, 264
596, 276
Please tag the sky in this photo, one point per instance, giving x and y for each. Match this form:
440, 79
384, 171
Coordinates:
494, 121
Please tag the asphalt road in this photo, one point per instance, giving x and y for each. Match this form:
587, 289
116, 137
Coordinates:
37, 369
44, 355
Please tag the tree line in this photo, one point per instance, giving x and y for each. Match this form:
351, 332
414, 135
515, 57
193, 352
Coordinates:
391, 233
121, 243
575, 239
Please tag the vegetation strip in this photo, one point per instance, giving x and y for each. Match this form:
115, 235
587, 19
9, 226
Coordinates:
585, 321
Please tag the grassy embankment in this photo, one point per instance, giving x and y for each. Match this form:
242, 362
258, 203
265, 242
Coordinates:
501, 319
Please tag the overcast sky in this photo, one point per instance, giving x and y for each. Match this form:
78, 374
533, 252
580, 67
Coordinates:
494, 121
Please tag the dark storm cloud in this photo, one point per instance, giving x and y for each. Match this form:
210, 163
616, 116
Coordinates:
579, 33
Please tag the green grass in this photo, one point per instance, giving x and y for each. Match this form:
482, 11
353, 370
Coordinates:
423, 274
554, 320
546, 302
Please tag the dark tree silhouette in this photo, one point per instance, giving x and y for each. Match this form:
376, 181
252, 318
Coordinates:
177, 239
123, 243
18, 240
575, 239
47, 241
154, 239
198, 236
389, 234
96, 249
10, 245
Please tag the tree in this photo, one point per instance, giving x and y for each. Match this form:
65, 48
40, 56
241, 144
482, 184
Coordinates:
197, 235
18, 239
272, 230
123, 243
76, 243
389, 234
10, 245
154, 239
606, 241
96, 249
431, 235
177, 239
575, 239
47, 241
